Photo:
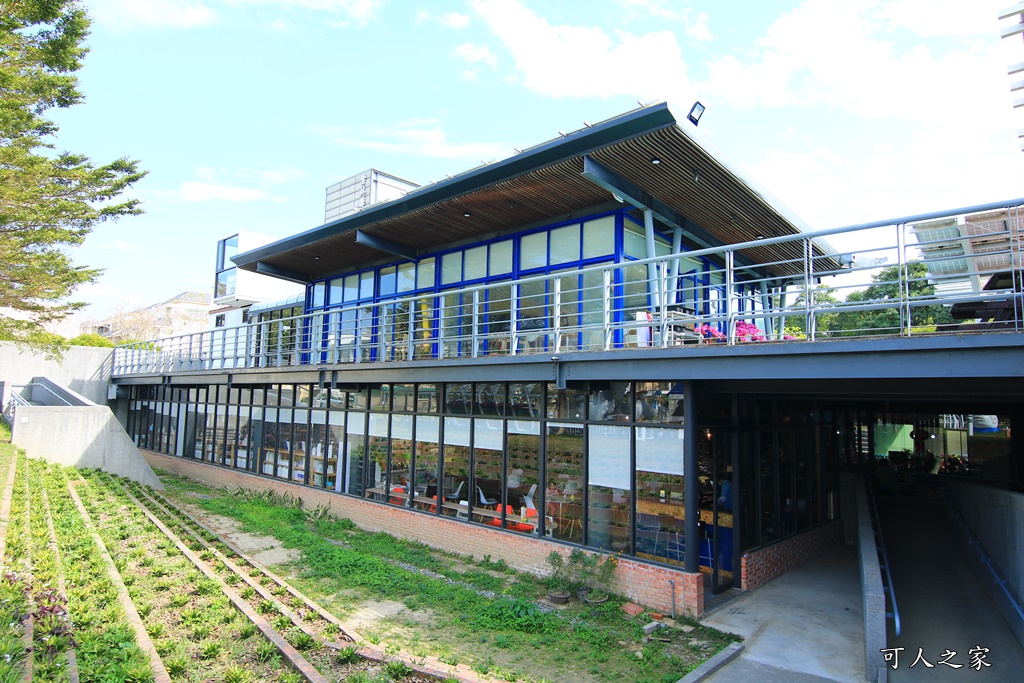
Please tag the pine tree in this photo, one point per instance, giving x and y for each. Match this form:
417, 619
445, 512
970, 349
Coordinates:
49, 200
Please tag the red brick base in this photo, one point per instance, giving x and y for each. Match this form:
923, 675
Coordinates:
762, 565
653, 586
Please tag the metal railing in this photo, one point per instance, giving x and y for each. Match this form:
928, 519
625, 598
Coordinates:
883, 559
707, 296
11, 409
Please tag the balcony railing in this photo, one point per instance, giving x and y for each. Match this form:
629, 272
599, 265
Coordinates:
885, 281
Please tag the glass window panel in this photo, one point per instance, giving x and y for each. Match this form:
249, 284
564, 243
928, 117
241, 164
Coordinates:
501, 258
475, 263
525, 400
533, 251
427, 398
388, 280
633, 242
660, 487
456, 462
351, 287
337, 399
599, 237
564, 485
609, 505
425, 482
425, 274
366, 285
406, 277
318, 294
357, 399
380, 398
400, 477
565, 244
451, 268
488, 441
300, 446
522, 490
317, 447
458, 398
653, 402
404, 397
566, 404
635, 290
490, 399
611, 404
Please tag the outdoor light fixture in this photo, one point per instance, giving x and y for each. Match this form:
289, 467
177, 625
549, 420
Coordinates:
467, 214
695, 112
758, 236
696, 177
655, 161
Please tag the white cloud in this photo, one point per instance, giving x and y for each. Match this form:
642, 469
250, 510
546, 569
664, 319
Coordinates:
696, 23
804, 60
454, 20
423, 137
207, 192
122, 14
476, 53
579, 61
942, 18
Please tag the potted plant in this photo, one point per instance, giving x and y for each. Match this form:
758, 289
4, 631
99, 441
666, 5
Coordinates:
558, 580
591, 575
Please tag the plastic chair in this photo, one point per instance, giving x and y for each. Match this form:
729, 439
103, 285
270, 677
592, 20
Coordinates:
455, 495
531, 511
484, 500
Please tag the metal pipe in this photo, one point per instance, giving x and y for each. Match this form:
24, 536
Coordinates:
672, 585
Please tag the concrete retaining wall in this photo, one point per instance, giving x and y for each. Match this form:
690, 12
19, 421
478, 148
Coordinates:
653, 586
996, 519
83, 369
80, 436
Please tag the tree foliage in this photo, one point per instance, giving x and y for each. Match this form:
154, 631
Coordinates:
885, 287
49, 200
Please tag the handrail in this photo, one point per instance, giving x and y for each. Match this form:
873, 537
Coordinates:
889, 588
637, 303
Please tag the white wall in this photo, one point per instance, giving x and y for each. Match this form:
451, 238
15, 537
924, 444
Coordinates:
83, 369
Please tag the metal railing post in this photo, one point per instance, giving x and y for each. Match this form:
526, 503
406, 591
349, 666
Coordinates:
730, 295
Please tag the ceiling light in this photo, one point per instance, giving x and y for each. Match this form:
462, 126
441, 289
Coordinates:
467, 214
758, 236
696, 177
695, 112
655, 161
316, 258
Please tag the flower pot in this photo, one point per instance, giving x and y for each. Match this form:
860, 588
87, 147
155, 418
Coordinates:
558, 598
596, 598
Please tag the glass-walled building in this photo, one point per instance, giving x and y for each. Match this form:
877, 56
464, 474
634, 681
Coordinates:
600, 466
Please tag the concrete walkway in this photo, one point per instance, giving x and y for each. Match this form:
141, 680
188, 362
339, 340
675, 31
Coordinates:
804, 627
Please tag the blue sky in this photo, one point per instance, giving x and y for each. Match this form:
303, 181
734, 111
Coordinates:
244, 111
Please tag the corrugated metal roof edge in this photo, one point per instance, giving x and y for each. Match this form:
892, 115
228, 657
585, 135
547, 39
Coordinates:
575, 144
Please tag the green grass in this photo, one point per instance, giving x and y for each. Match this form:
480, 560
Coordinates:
488, 633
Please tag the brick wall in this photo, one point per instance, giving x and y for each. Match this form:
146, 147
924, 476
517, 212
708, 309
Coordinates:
649, 585
760, 566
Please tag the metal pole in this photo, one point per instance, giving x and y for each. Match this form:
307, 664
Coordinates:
691, 474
